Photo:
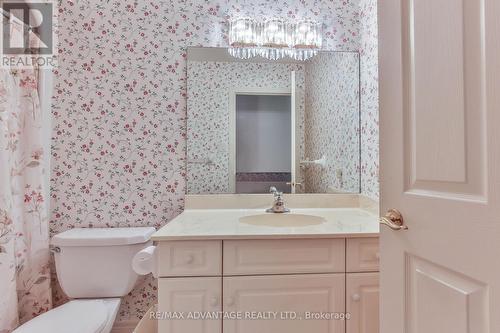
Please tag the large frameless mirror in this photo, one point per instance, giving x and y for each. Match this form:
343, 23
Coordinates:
256, 123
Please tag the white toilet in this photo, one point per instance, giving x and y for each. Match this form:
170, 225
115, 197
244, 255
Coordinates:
94, 269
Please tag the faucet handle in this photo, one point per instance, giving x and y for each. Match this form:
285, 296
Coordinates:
273, 190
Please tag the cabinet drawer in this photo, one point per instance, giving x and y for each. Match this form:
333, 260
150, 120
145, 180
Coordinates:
252, 257
362, 255
190, 258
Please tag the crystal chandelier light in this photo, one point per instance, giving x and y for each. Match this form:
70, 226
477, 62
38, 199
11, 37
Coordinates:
244, 38
306, 40
274, 39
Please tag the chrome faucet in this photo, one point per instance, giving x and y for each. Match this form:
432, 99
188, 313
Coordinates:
279, 203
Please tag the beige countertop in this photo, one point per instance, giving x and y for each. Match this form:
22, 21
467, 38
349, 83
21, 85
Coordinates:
201, 224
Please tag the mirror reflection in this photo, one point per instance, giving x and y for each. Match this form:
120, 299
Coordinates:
257, 123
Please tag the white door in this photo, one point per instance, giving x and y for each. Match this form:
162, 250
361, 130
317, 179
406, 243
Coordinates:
440, 165
182, 300
286, 296
362, 302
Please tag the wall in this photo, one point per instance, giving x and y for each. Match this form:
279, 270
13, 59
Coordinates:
119, 108
208, 131
369, 99
332, 122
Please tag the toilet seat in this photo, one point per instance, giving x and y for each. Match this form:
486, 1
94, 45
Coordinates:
77, 316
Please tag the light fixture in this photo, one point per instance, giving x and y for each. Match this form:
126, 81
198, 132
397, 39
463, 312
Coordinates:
274, 39
306, 41
244, 38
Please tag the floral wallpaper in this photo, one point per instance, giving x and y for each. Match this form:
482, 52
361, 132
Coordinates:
369, 99
119, 105
209, 86
332, 122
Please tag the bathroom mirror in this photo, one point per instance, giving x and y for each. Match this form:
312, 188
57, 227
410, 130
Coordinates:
256, 123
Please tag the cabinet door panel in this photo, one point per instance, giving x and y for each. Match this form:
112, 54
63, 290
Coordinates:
181, 296
362, 302
298, 294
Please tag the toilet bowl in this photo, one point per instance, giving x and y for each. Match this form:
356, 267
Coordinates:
94, 269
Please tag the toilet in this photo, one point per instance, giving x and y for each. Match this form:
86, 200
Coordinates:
94, 269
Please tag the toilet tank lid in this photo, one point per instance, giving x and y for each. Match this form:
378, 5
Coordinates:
103, 236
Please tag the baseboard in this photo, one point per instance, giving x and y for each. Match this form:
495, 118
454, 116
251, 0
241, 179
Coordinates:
125, 326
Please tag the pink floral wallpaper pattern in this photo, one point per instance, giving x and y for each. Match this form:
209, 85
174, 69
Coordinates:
332, 122
119, 107
369, 99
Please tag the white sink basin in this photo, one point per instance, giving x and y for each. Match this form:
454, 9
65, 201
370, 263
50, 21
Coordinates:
282, 220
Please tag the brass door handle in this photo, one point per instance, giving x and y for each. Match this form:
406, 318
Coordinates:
394, 220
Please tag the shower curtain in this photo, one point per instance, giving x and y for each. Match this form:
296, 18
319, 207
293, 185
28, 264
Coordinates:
24, 240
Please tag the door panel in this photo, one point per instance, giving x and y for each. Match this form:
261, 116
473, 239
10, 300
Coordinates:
282, 294
439, 72
362, 302
454, 302
443, 96
182, 296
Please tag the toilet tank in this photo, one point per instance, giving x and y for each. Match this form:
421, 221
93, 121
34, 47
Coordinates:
97, 262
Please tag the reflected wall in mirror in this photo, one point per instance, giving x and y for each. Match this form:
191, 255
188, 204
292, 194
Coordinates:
255, 123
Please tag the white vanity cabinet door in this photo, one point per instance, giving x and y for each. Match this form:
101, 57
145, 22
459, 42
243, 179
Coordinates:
362, 302
297, 294
181, 296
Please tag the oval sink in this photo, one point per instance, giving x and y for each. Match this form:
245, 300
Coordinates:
282, 220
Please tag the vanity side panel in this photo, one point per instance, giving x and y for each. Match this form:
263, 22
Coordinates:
254, 257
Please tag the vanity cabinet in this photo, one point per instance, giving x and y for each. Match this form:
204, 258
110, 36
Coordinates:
362, 285
178, 297
362, 302
286, 256
273, 277
190, 258
362, 255
285, 295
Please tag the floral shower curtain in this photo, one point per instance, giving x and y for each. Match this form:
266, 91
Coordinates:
24, 240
